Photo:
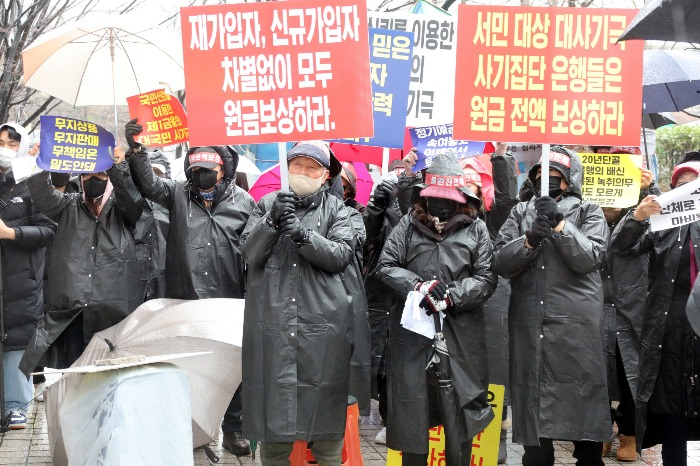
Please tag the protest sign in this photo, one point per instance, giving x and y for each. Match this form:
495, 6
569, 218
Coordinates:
679, 207
547, 75
162, 117
432, 141
390, 55
277, 71
432, 89
611, 180
74, 146
484, 445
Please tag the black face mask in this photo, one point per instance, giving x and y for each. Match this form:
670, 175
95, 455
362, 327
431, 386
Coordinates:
94, 187
204, 178
60, 179
441, 208
554, 186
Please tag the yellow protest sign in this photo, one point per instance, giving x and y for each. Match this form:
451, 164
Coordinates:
484, 445
611, 180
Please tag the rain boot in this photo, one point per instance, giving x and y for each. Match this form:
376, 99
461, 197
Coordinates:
628, 448
503, 447
607, 446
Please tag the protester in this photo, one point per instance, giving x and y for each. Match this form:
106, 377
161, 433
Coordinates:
348, 176
93, 274
551, 248
298, 336
150, 235
380, 217
667, 397
427, 252
24, 233
625, 290
207, 216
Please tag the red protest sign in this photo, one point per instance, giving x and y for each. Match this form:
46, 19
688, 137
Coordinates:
547, 75
163, 119
277, 71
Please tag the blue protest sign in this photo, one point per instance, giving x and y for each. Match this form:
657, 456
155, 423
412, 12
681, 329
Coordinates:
432, 141
390, 55
74, 146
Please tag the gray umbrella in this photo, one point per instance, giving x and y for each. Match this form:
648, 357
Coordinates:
671, 80
657, 120
675, 20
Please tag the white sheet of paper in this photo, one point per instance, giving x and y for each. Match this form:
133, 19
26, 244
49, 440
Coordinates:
414, 317
686, 209
24, 167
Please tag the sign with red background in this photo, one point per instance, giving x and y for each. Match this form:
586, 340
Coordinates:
163, 119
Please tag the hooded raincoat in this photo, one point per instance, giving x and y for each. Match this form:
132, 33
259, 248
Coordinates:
557, 359
461, 259
203, 252
93, 271
298, 327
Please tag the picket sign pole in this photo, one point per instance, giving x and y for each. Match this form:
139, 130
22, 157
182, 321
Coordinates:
385, 161
284, 169
545, 171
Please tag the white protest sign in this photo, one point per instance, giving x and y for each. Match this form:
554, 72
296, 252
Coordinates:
679, 206
432, 87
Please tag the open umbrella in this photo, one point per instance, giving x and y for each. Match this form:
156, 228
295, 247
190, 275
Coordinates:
102, 61
675, 20
671, 80
169, 326
657, 120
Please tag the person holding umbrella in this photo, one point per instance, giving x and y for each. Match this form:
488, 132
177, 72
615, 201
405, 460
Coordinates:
298, 326
551, 248
442, 250
207, 215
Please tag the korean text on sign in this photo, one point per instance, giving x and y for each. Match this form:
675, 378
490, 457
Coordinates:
74, 146
679, 207
273, 72
611, 180
431, 91
432, 141
390, 71
547, 75
162, 117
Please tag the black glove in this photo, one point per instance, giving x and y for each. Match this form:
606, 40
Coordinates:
131, 129
384, 193
547, 207
283, 203
291, 226
541, 228
436, 289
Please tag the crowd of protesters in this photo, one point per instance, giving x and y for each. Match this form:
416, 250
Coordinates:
573, 308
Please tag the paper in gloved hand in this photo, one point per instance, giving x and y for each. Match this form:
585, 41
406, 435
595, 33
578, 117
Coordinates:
414, 317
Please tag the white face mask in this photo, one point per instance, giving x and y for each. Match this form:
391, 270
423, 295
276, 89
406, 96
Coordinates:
303, 185
7, 156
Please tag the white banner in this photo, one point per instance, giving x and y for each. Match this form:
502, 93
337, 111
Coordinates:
432, 88
679, 206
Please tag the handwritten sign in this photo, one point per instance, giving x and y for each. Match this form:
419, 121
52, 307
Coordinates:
162, 117
432, 141
74, 146
547, 75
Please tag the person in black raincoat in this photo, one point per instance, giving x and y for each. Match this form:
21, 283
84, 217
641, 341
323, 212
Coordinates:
150, 236
24, 233
551, 249
667, 400
625, 290
207, 215
441, 249
93, 274
298, 327
348, 176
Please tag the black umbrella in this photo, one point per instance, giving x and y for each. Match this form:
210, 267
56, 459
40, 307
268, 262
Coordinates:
671, 80
657, 120
675, 20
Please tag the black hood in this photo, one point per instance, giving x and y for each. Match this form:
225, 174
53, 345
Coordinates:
227, 153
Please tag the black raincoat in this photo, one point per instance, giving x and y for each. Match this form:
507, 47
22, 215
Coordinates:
670, 352
93, 271
203, 253
558, 383
462, 260
22, 262
298, 327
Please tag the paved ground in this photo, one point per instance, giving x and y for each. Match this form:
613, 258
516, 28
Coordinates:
30, 446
